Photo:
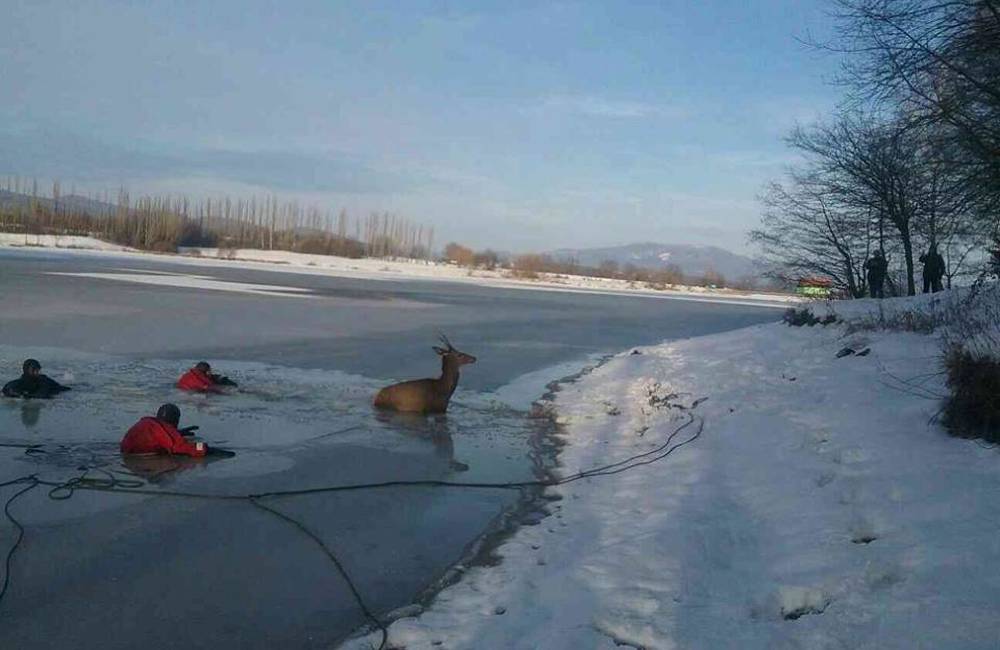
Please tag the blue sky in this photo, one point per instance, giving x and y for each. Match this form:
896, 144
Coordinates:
517, 125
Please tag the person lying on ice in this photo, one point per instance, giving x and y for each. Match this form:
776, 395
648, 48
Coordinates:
201, 379
33, 383
160, 435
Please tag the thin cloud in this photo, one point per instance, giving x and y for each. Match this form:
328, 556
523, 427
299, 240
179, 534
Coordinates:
594, 106
75, 157
755, 159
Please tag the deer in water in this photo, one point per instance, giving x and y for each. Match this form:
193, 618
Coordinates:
427, 395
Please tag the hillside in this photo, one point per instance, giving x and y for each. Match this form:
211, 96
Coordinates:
693, 260
67, 203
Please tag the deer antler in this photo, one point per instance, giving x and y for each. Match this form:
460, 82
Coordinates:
444, 339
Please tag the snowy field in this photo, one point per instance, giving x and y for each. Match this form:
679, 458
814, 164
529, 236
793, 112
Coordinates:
395, 269
820, 507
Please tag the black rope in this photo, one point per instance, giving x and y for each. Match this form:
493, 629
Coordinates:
336, 562
32, 483
61, 491
66, 489
907, 386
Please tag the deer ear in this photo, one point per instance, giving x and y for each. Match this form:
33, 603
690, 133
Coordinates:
440, 351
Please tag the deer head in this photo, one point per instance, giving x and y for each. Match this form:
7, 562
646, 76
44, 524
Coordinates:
449, 351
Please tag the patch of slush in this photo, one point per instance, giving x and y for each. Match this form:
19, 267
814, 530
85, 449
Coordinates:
291, 429
527, 388
275, 416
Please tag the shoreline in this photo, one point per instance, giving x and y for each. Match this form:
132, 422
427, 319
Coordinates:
530, 509
802, 514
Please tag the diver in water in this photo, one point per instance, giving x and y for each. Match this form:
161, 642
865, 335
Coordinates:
160, 435
32, 383
201, 379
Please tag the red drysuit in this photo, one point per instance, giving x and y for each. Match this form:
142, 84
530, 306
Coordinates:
152, 436
197, 380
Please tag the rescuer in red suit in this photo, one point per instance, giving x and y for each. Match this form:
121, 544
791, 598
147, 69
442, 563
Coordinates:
201, 379
160, 435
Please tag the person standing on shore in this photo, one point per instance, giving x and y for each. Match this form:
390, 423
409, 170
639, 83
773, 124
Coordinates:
877, 266
934, 268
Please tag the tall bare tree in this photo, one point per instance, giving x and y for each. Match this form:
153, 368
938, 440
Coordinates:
939, 61
872, 166
807, 230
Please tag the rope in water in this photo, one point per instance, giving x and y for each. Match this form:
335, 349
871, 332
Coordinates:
110, 483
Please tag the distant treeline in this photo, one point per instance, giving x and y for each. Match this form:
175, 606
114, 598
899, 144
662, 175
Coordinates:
531, 265
165, 223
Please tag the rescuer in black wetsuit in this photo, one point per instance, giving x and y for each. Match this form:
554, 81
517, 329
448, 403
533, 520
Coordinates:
32, 383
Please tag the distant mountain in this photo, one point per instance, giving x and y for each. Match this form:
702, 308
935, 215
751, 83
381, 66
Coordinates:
693, 260
69, 202
78, 203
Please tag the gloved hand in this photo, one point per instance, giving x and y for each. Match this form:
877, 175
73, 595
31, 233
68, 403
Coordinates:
223, 381
218, 453
188, 431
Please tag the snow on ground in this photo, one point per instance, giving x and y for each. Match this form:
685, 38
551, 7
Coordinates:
966, 318
821, 507
380, 269
936, 308
58, 241
371, 267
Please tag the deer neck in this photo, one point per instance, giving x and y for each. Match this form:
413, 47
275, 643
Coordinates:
449, 375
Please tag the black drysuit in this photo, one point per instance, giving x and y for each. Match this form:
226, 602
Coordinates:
33, 386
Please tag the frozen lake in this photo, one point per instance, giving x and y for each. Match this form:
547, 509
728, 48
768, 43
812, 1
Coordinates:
309, 352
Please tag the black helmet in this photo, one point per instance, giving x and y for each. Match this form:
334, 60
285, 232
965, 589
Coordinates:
203, 366
30, 364
169, 413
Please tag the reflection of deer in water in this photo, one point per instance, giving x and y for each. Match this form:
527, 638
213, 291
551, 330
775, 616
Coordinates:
433, 430
427, 395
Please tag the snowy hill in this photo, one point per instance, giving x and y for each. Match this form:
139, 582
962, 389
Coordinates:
693, 260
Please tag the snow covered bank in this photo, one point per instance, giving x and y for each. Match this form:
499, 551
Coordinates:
967, 318
18, 240
379, 269
427, 270
819, 508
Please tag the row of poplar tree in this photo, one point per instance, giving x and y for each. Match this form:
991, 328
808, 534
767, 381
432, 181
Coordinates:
164, 223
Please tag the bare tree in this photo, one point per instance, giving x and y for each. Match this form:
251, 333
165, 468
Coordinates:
163, 223
939, 61
873, 166
807, 230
